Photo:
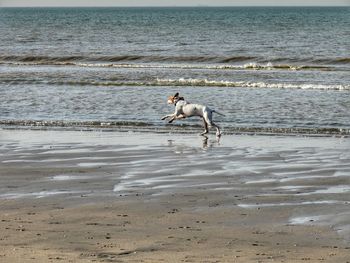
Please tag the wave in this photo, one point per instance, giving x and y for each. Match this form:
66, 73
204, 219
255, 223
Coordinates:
323, 61
182, 82
334, 61
151, 127
171, 59
40, 59
243, 84
247, 66
138, 58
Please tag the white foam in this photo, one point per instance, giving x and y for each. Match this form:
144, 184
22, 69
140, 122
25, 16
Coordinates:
247, 66
226, 83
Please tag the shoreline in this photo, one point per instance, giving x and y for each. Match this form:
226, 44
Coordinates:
184, 128
97, 196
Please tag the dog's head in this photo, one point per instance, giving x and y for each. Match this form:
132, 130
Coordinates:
174, 99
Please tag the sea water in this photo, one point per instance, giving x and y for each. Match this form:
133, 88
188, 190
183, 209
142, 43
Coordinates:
271, 69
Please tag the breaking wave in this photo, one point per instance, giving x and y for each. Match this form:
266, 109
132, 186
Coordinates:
247, 66
121, 58
171, 59
182, 82
243, 84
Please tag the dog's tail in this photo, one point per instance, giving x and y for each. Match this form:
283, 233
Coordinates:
218, 113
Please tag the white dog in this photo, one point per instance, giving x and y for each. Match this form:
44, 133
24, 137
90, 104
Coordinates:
184, 109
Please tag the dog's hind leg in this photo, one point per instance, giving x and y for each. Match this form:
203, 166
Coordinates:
205, 127
208, 117
218, 132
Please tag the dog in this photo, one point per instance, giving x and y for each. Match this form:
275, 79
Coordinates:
184, 109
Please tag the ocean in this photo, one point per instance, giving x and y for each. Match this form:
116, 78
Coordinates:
272, 70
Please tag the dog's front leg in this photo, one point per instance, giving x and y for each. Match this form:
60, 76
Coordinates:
172, 118
167, 116
177, 117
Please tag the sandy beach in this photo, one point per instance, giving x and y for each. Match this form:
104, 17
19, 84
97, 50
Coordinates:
70, 196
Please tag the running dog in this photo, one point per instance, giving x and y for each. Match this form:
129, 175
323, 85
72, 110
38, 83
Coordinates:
184, 109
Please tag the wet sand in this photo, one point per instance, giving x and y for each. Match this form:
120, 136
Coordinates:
69, 196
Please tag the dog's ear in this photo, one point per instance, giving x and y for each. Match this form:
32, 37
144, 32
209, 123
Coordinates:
176, 95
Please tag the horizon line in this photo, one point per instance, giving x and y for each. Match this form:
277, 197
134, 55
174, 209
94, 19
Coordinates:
136, 6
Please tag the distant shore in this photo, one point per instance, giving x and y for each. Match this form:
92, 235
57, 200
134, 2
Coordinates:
117, 197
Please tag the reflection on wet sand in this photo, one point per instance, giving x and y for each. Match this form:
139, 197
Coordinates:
309, 174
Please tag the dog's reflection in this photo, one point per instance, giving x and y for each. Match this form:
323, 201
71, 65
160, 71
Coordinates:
206, 142
210, 143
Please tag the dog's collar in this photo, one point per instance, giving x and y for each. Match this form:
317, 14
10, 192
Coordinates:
181, 98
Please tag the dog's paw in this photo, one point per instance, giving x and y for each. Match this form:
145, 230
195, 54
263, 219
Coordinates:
170, 121
163, 118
